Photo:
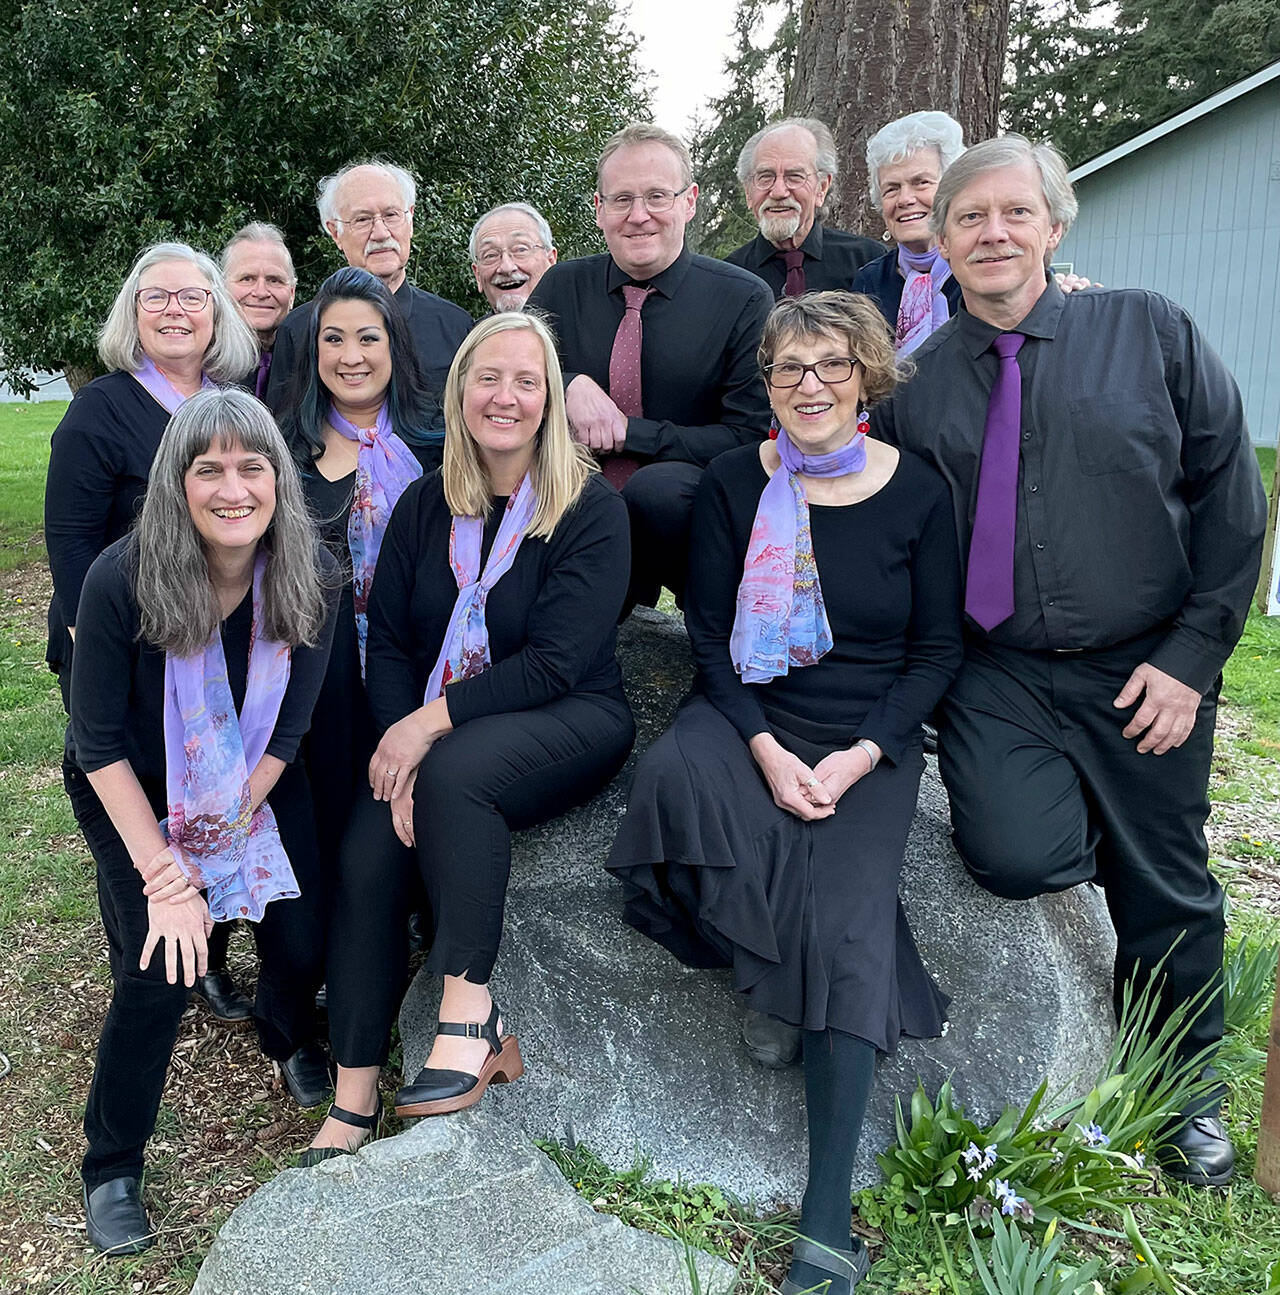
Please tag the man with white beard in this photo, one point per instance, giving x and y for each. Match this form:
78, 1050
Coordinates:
786, 170
367, 209
511, 249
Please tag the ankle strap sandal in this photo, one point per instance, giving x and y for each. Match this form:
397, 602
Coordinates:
850, 1265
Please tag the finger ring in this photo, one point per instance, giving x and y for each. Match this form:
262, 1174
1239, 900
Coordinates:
811, 782
391, 773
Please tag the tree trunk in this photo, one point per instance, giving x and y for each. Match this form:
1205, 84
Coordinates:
78, 374
862, 63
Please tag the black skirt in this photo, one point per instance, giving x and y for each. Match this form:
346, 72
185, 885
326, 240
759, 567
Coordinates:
807, 914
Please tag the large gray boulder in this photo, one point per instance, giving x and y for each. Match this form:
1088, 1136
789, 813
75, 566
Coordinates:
633, 1055
463, 1205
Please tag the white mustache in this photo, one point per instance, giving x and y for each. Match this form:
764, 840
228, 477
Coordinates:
516, 280
974, 257
785, 204
381, 245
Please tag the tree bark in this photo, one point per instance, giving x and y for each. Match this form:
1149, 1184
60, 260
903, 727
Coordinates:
78, 374
862, 63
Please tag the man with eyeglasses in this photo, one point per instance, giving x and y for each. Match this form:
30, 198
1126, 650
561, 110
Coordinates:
511, 249
786, 170
658, 347
367, 209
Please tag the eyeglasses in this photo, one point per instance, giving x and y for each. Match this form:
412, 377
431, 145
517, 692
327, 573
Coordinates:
655, 200
517, 252
155, 300
792, 179
392, 219
789, 374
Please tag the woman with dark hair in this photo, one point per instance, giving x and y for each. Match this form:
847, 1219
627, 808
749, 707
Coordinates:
202, 638
766, 827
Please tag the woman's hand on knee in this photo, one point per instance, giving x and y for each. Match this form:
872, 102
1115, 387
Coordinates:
399, 754
184, 928
165, 881
794, 786
841, 769
402, 810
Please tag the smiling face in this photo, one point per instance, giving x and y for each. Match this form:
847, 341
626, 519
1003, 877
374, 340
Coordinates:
906, 197
353, 358
644, 242
231, 493
504, 396
175, 337
510, 259
785, 190
997, 239
819, 416
374, 228
260, 280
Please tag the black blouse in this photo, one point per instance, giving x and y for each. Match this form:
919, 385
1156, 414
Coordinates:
890, 575
551, 619
117, 681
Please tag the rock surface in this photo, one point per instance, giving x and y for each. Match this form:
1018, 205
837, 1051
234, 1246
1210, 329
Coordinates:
633, 1055
461, 1205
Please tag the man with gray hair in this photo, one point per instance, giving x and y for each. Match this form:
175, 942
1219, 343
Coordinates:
259, 274
367, 209
786, 170
511, 248
1109, 503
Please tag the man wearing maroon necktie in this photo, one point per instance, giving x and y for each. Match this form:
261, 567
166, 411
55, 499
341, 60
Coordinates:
1111, 516
259, 274
658, 347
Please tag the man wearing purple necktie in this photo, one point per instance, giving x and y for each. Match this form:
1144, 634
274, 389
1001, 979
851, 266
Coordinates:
1111, 514
259, 274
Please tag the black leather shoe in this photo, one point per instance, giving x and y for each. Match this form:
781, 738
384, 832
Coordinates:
930, 735
115, 1219
308, 1075
222, 996
770, 1042
1199, 1152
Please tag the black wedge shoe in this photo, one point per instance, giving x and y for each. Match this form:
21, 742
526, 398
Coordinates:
439, 1092
314, 1155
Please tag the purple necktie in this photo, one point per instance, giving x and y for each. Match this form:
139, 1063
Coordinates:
264, 367
794, 259
989, 583
624, 376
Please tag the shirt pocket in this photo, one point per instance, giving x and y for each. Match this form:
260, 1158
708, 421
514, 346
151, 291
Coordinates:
1113, 432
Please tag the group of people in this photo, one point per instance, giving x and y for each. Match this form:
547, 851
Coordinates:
336, 589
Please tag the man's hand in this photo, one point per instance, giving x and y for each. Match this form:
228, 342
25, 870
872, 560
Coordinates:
596, 421
1168, 711
1074, 282
795, 787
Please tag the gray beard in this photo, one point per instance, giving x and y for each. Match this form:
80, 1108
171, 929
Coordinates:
510, 302
777, 229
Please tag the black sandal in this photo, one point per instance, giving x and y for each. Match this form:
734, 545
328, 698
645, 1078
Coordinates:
314, 1155
851, 1264
440, 1092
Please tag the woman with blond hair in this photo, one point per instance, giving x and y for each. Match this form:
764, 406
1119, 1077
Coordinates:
491, 671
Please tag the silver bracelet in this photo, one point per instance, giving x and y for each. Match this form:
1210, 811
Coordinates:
865, 744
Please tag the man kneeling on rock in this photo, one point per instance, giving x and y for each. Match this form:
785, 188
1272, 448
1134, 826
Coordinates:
1109, 503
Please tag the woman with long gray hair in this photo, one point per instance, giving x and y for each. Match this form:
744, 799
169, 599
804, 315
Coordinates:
202, 640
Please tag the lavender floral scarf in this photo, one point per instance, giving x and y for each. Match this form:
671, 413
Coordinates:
924, 308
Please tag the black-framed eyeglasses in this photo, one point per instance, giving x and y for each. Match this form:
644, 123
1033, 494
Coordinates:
156, 300
655, 200
787, 373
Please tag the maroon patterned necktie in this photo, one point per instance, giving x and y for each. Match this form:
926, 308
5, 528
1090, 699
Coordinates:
624, 375
794, 259
988, 594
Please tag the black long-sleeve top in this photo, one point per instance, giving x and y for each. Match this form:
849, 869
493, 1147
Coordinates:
700, 382
551, 618
882, 281
890, 578
99, 462
1139, 498
831, 259
117, 680
436, 326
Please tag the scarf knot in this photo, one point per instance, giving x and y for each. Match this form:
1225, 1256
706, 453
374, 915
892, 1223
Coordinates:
924, 307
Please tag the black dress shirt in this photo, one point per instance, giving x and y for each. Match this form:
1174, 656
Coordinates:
831, 259
700, 380
882, 281
437, 327
1140, 503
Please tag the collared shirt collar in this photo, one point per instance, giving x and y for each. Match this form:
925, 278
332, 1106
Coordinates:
1040, 321
668, 282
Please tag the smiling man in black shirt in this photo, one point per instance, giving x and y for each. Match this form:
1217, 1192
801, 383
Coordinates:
1109, 504
658, 348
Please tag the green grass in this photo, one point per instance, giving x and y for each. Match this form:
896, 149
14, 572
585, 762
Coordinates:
24, 456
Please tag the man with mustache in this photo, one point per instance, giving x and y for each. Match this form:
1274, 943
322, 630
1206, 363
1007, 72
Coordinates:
1109, 503
367, 209
259, 274
786, 170
511, 249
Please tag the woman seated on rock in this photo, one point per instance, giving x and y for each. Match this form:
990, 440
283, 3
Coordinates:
766, 827
201, 642
491, 670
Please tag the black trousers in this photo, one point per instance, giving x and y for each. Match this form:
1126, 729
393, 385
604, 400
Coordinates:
142, 1022
659, 499
1046, 793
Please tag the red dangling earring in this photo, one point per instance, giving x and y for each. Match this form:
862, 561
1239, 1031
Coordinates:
774, 428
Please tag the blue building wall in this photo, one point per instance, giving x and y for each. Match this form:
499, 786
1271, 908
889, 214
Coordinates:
1196, 216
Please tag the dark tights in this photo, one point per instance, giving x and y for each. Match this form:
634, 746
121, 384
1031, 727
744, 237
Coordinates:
838, 1070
